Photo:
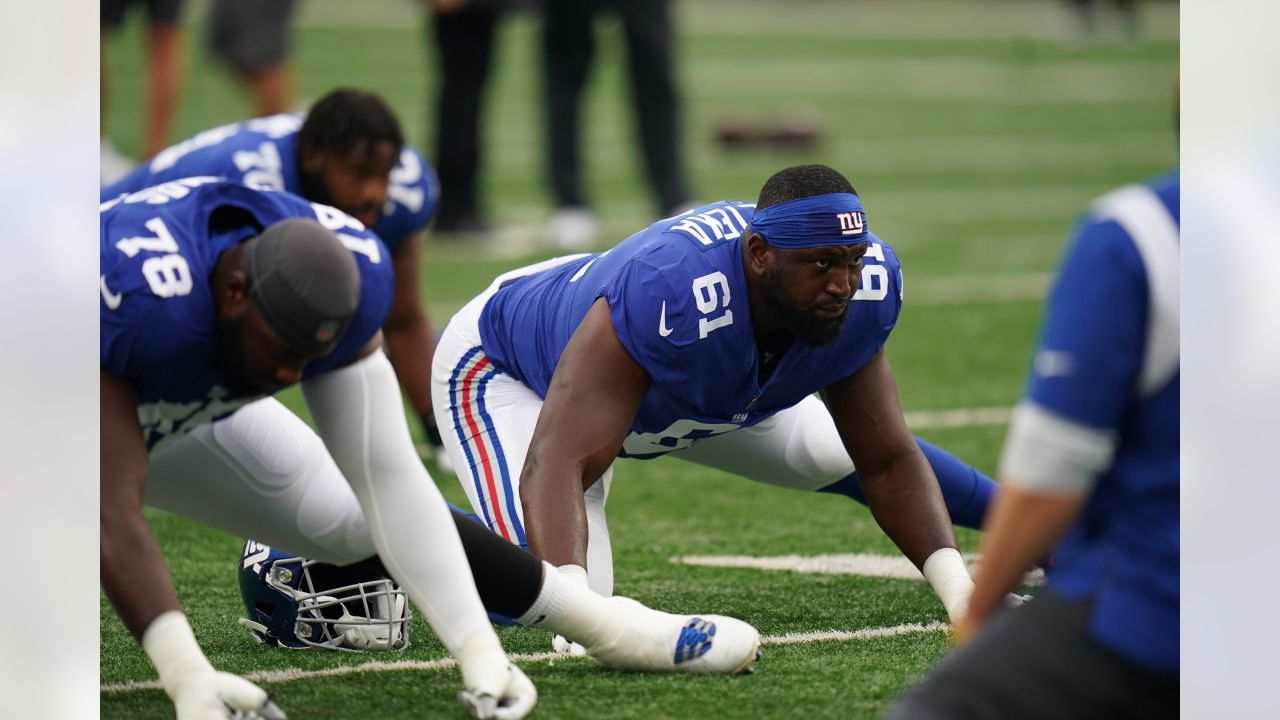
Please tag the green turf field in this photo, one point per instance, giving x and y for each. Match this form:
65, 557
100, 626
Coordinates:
975, 130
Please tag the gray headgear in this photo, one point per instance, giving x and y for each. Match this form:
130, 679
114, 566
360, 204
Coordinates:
305, 284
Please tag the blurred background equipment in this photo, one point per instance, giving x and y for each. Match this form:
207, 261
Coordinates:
796, 126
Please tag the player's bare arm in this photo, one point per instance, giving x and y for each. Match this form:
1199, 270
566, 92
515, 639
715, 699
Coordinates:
900, 487
593, 398
134, 574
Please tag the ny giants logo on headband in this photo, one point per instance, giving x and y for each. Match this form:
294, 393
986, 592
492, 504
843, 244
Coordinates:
852, 223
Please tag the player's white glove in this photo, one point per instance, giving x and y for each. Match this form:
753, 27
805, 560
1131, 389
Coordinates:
495, 688
947, 574
197, 690
223, 696
1016, 600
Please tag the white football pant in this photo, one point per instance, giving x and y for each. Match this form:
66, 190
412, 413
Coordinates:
263, 473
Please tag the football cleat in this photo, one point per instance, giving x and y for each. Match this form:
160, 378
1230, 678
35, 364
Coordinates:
647, 640
562, 645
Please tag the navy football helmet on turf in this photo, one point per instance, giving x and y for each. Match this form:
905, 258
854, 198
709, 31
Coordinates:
298, 603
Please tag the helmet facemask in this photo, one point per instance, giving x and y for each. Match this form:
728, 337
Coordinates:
299, 603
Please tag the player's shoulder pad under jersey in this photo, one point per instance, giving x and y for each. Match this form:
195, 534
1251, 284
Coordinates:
258, 152
273, 127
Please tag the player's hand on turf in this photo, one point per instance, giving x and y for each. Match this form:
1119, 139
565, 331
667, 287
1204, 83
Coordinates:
1014, 600
223, 696
497, 690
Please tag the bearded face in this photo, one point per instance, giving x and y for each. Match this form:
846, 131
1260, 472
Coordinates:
814, 323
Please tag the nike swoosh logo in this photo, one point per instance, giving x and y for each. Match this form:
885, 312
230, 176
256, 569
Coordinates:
663, 330
111, 299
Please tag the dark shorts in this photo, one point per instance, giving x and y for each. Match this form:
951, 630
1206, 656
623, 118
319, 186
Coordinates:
250, 35
1038, 661
163, 12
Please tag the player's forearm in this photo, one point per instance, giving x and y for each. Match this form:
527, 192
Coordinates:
410, 347
132, 568
555, 514
905, 500
1020, 530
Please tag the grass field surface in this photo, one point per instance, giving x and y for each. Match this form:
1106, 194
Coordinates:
975, 130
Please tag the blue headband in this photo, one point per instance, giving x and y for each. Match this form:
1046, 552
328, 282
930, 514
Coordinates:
814, 221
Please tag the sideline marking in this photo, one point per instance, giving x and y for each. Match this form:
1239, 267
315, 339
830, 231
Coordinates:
291, 674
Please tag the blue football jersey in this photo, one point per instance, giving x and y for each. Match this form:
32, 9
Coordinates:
1102, 363
157, 249
263, 152
677, 295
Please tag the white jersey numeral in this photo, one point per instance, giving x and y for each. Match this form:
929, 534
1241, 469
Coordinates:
168, 275
404, 179
875, 278
336, 220
262, 169
708, 228
711, 292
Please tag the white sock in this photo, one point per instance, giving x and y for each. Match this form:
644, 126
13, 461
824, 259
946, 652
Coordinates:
565, 605
552, 600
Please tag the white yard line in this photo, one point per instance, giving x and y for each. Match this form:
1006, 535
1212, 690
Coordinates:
292, 674
893, 567
864, 634
958, 417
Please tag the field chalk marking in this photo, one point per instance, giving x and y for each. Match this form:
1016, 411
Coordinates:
292, 674
892, 567
957, 418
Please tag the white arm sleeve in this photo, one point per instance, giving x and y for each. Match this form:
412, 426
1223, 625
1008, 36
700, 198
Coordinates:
1049, 454
360, 416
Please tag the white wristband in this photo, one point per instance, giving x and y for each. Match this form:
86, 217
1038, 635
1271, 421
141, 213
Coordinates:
172, 647
947, 574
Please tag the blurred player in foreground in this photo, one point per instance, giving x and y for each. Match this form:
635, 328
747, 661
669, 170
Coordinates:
348, 152
214, 295
704, 336
1091, 464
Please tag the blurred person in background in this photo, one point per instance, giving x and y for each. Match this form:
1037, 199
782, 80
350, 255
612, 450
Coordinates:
462, 33
568, 50
347, 151
164, 73
1091, 472
1086, 14
251, 37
